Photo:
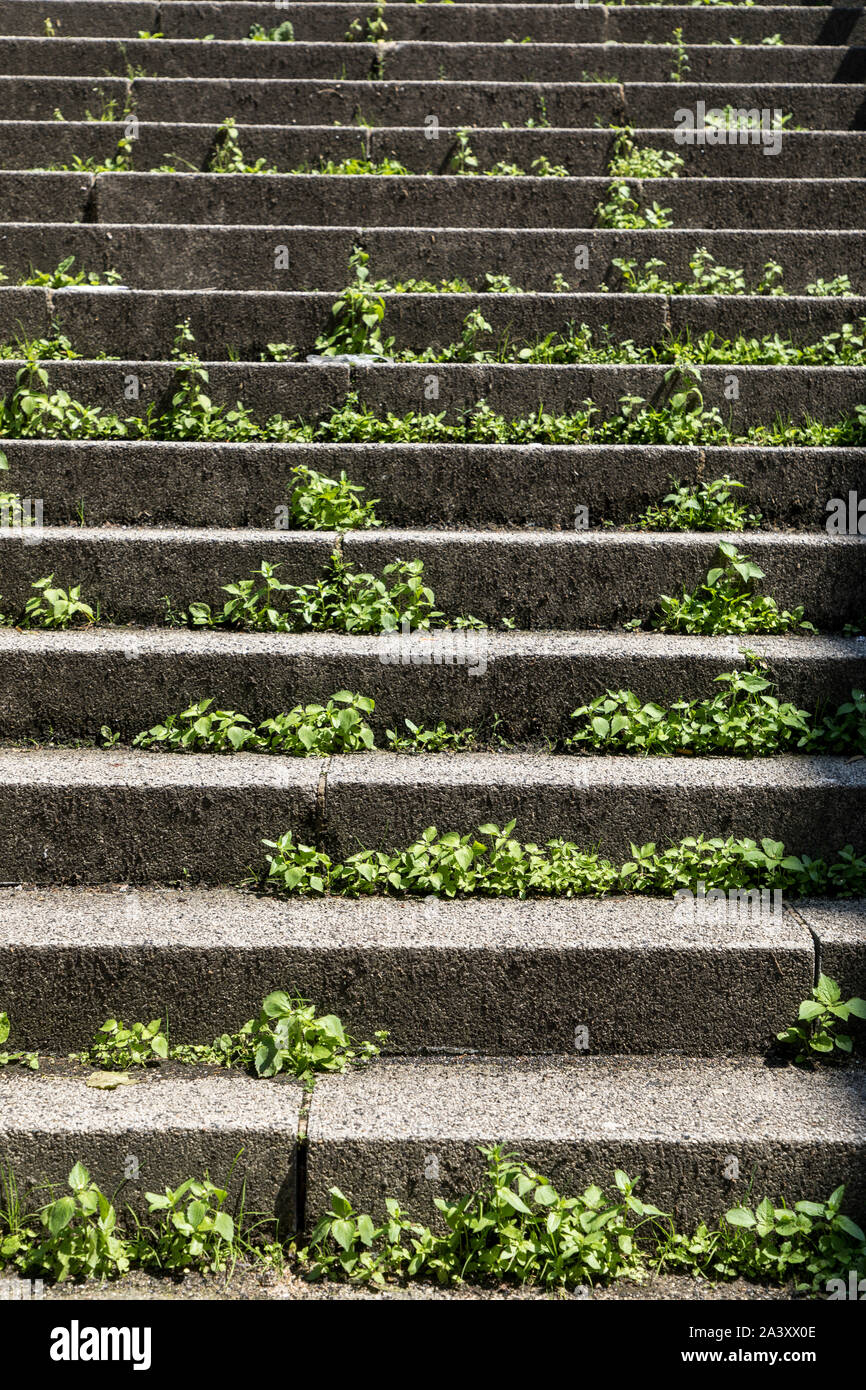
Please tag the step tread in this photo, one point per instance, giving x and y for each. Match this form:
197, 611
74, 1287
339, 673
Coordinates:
45, 920
39, 1102
122, 767
563, 1100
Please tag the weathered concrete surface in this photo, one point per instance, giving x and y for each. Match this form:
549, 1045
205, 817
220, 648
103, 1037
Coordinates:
91, 816
156, 255
68, 684
465, 23
176, 1129
540, 579
839, 929
503, 977
450, 200
106, 815
675, 1123
312, 391
191, 145
143, 323
453, 485
814, 805
426, 60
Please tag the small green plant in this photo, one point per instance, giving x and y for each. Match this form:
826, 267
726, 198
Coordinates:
682, 66
516, 1227
370, 30
843, 730
199, 728
809, 1243
61, 277
81, 1239
287, 1037
32, 412
631, 161
194, 1230
704, 506
52, 607
439, 739
22, 1059
307, 730
33, 350
343, 601
228, 157
726, 602
319, 503
622, 212
840, 285
17, 1228
815, 1033
383, 168
707, 277
463, 161
117, 1048
283, 33
356, 317
318, 730
745, 718
454, 865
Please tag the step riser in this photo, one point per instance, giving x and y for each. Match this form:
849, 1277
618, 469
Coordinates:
366, 805
496, 1001
310, 392
411, 1132
143, 324
424, 61
235, 258
67, 686
44, 144
227, 198
295, 101
685, 1178
466, 23
145, 834
565, 582
521, 485
173, 1130
207, 821
211, 256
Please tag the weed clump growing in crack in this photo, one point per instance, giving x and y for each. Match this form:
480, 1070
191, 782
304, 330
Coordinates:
725, 603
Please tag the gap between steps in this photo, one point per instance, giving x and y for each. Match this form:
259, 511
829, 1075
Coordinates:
816, 941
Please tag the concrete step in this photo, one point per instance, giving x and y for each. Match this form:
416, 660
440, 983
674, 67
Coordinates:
455, 201
500, 978
420, 201
173, 1128
538, 579
839, 932
308, 101
465, 22
190, 146
309, 392
67, 685
481, 485
426, 61
91, 816
410, 1130
187, 256
143, 323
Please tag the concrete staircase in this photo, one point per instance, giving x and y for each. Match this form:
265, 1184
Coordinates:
585, 1034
